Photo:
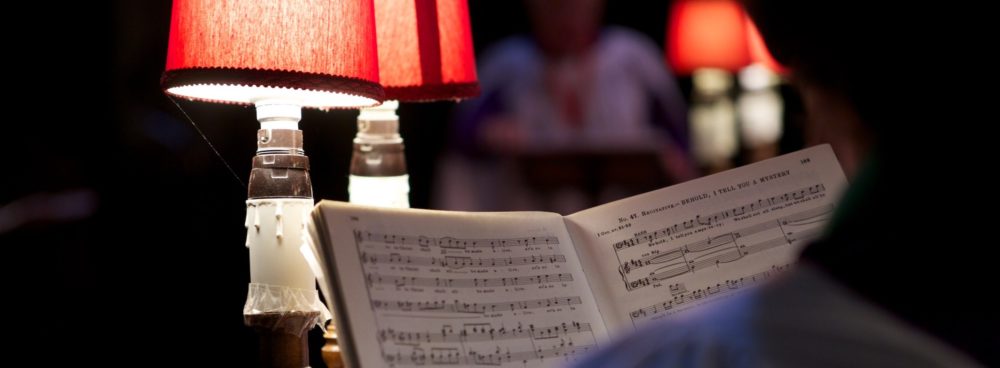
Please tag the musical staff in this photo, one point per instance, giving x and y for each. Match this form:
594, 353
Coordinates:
479, 332
809, 217
498, 358
725, 248
400, 281
492, 319
702, 221
437, 356
494, 357
452, 243
471, 308
682, 298
456, 262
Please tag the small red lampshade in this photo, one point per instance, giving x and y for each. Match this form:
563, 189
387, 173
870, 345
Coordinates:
425, 49
706, 34
317, 53
758, 50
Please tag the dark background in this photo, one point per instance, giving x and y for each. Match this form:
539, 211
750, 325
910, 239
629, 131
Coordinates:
149, 268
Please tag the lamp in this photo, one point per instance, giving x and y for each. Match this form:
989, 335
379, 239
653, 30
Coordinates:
707, 38
425, 54
712, 39
706, 34
759, 105
279, 55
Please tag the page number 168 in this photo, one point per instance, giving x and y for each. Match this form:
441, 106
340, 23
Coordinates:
804, 161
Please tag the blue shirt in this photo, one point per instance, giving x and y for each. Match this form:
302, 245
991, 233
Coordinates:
805, 319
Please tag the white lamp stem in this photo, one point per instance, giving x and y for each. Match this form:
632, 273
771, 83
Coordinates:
279, 199
378, 166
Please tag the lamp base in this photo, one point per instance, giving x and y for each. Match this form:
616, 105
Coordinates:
279, 347
331, 351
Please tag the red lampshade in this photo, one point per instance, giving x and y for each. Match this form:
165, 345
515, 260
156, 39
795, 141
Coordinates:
425, 49
706, 34
758, 50
317, 53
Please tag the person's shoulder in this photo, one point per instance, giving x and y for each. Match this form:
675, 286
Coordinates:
699, 339
619, 39
774, 325
811, 311
624, 48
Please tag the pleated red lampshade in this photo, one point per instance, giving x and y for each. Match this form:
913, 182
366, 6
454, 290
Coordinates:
706, 34
316, 53
425, 49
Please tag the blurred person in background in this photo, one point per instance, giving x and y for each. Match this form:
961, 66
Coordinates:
882, 287
573, 116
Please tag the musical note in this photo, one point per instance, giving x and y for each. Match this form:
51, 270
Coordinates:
671, 261
709, 219
474, 308
454, 243
715, 258
483, 288
417, 356
676, 289
713, 291
494, 357
457, 262
816, 215
401, 281
479, 332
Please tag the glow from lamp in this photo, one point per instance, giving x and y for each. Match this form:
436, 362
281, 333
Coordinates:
252, 94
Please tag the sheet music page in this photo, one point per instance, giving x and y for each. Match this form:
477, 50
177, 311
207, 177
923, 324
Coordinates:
663, 252
460, 289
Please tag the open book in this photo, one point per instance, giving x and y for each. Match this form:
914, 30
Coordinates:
420, 287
